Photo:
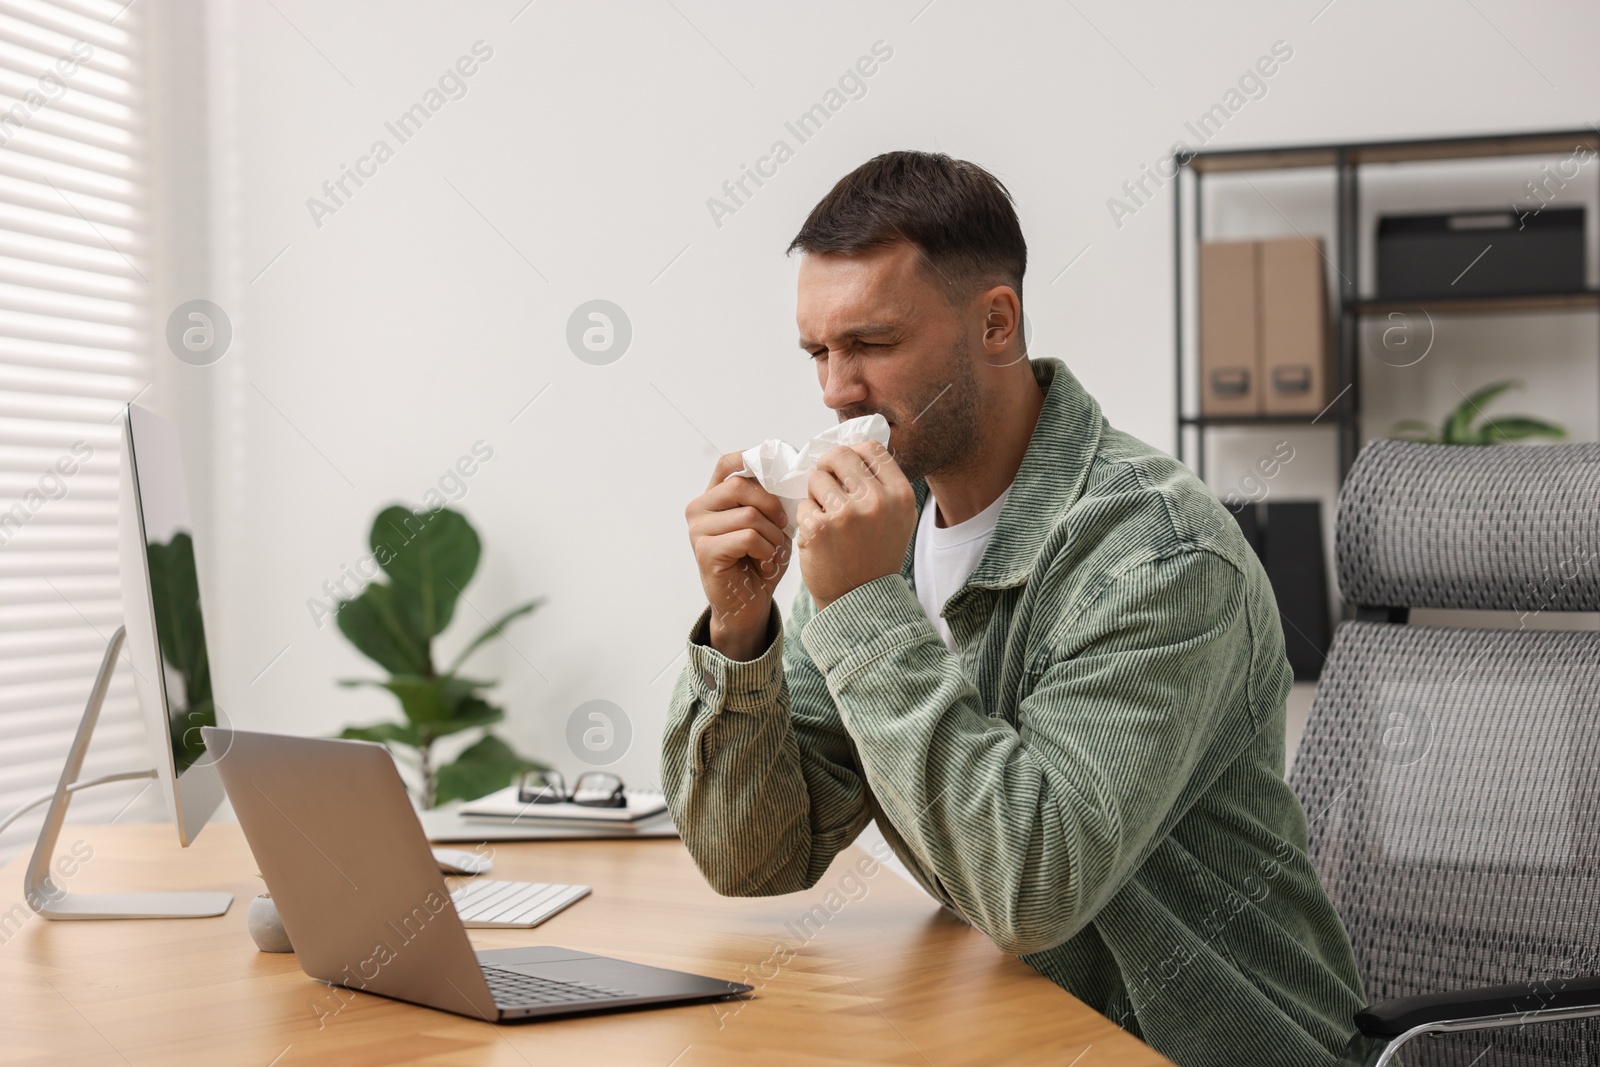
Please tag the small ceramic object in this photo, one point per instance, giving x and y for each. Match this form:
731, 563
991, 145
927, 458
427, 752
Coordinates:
266, 928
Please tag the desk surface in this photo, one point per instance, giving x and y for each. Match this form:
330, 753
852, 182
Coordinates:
888, 978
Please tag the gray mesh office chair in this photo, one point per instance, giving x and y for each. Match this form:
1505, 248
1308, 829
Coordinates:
1449, 775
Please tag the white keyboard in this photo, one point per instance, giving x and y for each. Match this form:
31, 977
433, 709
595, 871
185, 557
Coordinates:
500, 905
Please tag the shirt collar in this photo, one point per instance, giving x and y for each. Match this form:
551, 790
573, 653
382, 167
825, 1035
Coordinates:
1048, 483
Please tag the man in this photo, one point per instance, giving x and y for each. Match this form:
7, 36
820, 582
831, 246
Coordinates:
1036, 650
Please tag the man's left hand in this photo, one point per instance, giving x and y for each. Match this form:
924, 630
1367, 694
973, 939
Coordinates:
855, 525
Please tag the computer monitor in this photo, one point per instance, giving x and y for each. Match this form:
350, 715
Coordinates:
161, 611
166, 643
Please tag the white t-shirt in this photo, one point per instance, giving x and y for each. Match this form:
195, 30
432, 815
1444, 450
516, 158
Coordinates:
946, 557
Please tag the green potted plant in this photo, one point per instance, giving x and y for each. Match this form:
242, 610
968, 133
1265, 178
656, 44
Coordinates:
1468, 425
428, 558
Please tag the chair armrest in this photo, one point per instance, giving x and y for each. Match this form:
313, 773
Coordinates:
1391, 1018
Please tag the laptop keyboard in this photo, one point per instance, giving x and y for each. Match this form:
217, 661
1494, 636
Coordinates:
494, 904
514, 990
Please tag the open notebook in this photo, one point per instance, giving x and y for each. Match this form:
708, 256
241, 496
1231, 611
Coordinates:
503, 806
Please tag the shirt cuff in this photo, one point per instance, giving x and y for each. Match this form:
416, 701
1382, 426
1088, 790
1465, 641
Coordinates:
864, 623
733, 683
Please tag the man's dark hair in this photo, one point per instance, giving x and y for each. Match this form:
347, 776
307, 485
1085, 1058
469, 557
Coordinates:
958, 214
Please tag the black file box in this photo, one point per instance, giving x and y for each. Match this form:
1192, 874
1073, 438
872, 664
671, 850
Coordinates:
1480, 253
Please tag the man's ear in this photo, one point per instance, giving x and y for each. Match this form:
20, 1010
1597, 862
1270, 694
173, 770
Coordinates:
1003, 343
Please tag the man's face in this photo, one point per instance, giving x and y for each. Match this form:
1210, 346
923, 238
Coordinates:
885, 341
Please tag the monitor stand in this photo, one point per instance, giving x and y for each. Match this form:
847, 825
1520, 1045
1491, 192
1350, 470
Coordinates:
53, 902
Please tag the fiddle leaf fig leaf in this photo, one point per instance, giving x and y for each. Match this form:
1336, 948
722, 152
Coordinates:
384, 733
487, 765
373, 623
427, 702
494, 630
471, 712
429, 556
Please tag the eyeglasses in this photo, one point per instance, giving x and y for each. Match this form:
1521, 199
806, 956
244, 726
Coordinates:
593, 789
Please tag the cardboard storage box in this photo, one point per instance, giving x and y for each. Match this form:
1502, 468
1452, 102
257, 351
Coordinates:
1295, 372
1230, 349
1263, 328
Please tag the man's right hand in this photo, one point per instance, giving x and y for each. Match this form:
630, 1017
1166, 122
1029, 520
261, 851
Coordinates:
736, 528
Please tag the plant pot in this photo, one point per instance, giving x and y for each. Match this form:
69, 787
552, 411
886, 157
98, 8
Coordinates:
266, 928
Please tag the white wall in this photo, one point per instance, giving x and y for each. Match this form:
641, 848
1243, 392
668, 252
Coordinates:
420, 318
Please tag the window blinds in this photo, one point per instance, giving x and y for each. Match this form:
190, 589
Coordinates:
74, 343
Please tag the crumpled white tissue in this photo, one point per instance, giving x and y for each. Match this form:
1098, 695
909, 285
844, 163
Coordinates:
784, 471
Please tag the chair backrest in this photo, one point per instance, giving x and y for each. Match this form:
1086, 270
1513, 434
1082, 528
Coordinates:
1449, 775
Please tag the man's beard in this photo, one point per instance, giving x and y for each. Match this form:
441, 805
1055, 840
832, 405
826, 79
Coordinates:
938, 430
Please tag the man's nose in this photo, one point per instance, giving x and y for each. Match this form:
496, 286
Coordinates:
841, 386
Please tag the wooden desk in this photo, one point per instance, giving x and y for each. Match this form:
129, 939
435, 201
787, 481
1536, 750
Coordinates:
888, 978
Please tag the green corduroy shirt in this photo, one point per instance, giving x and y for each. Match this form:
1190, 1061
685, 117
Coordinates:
1095, 781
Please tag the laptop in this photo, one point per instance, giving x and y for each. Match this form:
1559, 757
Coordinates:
365, 905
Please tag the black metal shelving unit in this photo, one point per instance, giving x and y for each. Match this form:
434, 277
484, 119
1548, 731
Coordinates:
1346, 160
